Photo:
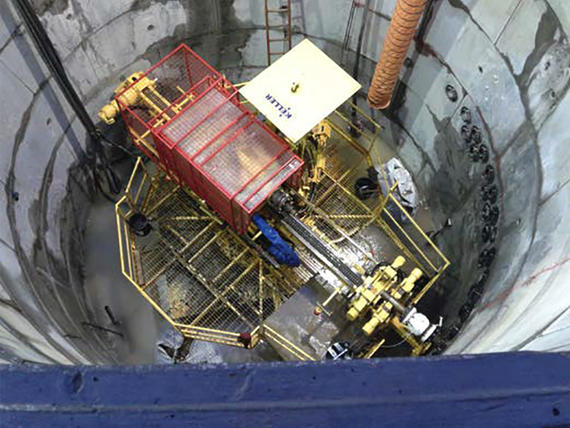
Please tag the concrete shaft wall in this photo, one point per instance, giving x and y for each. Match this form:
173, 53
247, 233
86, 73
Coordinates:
509, 63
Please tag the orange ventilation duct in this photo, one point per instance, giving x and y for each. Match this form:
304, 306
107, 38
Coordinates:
400, 34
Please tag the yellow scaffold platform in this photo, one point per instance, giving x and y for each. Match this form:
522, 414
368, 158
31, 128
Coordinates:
214, 285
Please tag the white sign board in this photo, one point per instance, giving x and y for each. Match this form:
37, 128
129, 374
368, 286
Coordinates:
300, 89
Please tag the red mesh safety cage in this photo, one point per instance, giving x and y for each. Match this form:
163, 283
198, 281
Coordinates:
188, 118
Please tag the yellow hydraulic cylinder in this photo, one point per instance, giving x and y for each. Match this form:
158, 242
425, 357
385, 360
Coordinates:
130, 97
409, 282
321, 134
382, 313
359, 304
108, 112
398, 262
368, 293
379, 316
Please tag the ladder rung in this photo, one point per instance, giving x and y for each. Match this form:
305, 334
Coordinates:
282, 27
279, 40
277, 10
276, 53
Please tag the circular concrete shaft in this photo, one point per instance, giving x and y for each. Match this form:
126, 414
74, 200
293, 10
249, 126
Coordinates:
480, 117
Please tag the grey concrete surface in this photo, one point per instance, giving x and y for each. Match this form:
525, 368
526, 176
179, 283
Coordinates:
508, 61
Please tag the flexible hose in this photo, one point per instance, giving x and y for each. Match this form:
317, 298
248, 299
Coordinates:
400, 34
48, 53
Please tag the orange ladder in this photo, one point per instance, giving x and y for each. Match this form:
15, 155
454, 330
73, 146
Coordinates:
280, 11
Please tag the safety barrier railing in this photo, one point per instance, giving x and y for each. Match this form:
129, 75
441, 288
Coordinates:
412, 240
387, 212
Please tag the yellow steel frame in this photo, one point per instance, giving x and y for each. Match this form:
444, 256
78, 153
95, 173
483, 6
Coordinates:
410, 239
372, 156
425, 262
145, 139
133, 199
137, 198
286, 344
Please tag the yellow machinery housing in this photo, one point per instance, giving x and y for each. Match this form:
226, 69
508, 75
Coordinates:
369, 296
133, 96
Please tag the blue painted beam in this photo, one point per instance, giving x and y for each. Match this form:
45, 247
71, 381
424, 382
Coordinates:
515, 389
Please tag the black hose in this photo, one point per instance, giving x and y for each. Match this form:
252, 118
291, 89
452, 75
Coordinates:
376, 267
422, 27
53, 62
111, 143
312, 192
356, 67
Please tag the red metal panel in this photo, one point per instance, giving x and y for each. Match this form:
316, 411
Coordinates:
206, 139
217, 199
165, 154
218, 135
186, 171
198, 88
265, 181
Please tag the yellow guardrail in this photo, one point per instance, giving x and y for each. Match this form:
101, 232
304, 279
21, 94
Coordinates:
286, 344
408, 236
414, 250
